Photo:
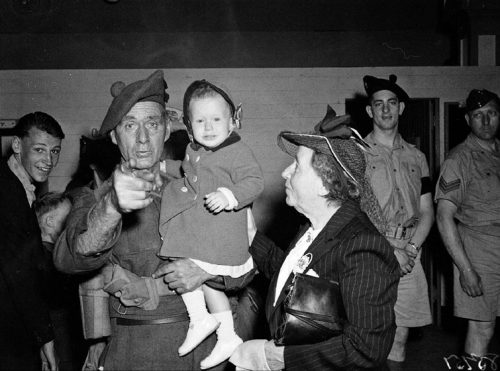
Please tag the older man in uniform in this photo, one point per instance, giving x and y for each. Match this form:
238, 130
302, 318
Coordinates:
468, 218
399, 176
118, 223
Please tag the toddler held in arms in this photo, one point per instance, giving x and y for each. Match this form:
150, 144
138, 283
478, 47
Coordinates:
203, 214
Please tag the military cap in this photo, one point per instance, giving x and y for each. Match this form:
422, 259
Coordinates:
479, 98
151, 89
374, 84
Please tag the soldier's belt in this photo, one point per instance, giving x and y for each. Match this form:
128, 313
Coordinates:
399, 233
143, 322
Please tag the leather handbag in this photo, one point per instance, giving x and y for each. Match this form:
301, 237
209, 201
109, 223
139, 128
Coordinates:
313, 311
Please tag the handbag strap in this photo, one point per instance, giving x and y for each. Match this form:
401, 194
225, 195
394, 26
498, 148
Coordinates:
310, 317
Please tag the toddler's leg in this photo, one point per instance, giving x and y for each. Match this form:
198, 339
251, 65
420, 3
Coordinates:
227, 339
201, 323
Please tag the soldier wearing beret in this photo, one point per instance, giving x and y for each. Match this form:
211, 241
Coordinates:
118, 223
399, 175
468, 218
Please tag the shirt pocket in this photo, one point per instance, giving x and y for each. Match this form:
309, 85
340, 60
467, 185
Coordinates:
414, 174
485, 182
412, 181
377, 171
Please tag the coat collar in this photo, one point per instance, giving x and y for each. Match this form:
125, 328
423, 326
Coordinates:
231, 139
21, 174
322, 243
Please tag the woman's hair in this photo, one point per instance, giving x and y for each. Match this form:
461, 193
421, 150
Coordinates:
342, 188
339, 187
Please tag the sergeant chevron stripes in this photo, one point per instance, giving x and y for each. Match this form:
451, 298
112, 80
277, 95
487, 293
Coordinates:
446, 187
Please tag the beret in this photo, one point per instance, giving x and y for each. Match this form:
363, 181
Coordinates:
151, 89
479, 98
373, 84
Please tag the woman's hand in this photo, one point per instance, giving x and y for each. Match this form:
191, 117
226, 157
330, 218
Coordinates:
259, 355
275, 355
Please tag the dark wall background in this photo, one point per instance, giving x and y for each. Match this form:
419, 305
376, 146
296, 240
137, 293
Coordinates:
74, 34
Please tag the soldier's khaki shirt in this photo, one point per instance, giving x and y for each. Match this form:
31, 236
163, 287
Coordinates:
396, 178
470, 178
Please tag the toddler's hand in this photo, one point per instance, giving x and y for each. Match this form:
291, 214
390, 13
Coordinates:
216, 201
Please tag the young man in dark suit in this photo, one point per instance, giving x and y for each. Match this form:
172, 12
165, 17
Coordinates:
26, 332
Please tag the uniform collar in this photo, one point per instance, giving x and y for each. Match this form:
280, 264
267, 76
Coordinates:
231, 139
473, 142
23, 177
398, 141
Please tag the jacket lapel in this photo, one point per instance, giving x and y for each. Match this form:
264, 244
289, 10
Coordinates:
321, 245
272, 286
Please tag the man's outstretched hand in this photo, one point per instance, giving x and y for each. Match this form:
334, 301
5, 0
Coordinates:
134, 189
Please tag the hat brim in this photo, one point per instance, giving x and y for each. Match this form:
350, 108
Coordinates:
289, 143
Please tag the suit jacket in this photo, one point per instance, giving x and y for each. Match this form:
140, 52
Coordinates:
350, 249
24, 316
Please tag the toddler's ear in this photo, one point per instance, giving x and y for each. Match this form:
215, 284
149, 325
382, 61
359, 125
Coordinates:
48, 220
238, 114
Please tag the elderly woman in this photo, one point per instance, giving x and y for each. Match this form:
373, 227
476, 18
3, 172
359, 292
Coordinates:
326, 183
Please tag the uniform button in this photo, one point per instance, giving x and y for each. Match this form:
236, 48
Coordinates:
187, 157
184, 189
195, 178
197, 158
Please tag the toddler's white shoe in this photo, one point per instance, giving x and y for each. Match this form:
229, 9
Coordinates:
198, 331
222, 351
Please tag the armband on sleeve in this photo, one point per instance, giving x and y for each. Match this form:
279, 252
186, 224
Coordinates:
426, 185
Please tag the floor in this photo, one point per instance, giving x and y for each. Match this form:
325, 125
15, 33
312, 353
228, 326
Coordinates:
426, 350
428, 346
